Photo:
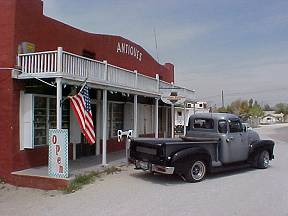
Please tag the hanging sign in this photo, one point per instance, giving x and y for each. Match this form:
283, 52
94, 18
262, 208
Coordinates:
173, 98
58, 153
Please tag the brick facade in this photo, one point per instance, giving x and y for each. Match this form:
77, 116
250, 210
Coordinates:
23, 21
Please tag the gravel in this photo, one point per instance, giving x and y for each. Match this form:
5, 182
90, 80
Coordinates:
242, 192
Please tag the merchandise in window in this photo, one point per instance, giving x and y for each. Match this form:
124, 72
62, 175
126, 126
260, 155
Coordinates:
45, 118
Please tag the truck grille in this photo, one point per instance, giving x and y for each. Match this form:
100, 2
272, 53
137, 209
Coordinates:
145, 150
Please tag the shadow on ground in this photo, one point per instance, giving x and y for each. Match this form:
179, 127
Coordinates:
169, 180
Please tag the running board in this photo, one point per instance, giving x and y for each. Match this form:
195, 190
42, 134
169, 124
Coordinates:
230, 167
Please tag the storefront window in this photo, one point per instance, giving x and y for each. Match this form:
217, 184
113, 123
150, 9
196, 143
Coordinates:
115, 118
45, 118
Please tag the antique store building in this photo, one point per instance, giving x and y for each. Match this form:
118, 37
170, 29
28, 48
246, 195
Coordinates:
42, 61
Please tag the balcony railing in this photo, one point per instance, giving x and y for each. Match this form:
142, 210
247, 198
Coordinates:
60, 63
68, 65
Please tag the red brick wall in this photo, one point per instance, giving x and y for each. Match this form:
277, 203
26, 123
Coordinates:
47, 34
23, 21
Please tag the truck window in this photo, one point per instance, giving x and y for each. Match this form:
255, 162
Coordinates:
235, 126
222, 126
203, 123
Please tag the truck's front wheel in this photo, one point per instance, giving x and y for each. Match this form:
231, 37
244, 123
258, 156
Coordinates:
196, 172
263, 159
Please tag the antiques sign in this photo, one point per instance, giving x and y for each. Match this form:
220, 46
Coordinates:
58, 153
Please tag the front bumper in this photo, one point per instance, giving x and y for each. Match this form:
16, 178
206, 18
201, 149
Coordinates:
146, 166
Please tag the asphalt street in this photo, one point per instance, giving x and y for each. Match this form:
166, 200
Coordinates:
245, 192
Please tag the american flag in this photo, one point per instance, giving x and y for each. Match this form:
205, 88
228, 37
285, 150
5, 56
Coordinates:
81, 106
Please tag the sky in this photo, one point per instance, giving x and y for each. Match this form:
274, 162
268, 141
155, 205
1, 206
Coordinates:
238, 46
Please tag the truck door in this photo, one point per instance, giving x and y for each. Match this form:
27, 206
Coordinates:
237, 141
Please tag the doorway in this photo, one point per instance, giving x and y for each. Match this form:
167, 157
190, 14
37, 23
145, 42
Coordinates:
84, 149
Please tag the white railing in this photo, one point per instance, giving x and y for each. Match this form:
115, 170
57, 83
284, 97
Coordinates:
61, 63
79, 66
41, 62
120, 76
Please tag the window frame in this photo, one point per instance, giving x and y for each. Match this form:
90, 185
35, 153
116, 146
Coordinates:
48, 120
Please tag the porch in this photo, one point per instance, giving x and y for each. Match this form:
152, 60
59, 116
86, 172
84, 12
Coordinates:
37, 177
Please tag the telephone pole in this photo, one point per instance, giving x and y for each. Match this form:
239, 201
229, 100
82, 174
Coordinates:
222, 99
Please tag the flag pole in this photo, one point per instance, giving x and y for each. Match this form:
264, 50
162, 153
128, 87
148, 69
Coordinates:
85, 81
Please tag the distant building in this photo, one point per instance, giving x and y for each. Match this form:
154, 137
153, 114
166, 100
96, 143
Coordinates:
182, 114
270, 117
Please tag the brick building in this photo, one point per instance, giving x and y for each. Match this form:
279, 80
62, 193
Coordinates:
42, 61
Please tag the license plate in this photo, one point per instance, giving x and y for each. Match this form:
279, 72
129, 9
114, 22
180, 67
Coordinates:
144, 165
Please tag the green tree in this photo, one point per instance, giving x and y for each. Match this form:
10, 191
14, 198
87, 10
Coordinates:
267, 107
244, 108
281, 108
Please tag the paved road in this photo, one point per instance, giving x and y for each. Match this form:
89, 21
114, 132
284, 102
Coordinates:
246, 192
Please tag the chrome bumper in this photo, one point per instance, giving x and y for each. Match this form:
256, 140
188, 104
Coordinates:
146, 166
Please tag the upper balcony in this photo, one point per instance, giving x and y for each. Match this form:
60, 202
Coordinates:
74, 68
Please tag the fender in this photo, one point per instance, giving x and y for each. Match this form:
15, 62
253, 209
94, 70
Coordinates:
180, 160
256, 146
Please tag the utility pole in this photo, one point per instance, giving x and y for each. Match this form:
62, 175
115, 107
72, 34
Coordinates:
222, 99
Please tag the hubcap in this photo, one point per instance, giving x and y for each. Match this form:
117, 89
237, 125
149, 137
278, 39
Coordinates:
198, 170
265, 159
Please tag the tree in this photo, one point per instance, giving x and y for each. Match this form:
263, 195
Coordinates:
282, 108
244, 108
267, 107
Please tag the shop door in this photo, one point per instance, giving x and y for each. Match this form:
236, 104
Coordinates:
84, 149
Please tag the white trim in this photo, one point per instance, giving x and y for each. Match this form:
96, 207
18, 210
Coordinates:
98, 123
156, 117
58, 103
135, 110
104, 133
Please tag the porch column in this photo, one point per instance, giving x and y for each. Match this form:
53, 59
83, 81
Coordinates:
185, 117
172, 120
135, 115
156, 117
58, 103
98, 123
104, 134
166, 122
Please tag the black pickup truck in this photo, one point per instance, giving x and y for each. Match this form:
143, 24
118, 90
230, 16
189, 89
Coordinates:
212, 141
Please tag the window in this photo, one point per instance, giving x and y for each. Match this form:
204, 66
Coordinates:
222, 126
40, 121
235, 126
45, 118
88, 54
179, 113
115, 118
203, 123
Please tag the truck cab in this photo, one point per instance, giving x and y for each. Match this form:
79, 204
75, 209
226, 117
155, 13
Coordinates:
235, 138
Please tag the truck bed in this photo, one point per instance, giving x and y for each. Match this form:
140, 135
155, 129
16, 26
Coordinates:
158, 151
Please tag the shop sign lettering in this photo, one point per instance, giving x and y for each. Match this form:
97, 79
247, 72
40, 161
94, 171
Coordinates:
129, 50
58, 153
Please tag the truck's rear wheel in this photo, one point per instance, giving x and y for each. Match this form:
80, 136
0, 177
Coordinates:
196, 172
263, 159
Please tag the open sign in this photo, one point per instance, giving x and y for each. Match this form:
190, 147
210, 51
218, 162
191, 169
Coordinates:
58, 153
